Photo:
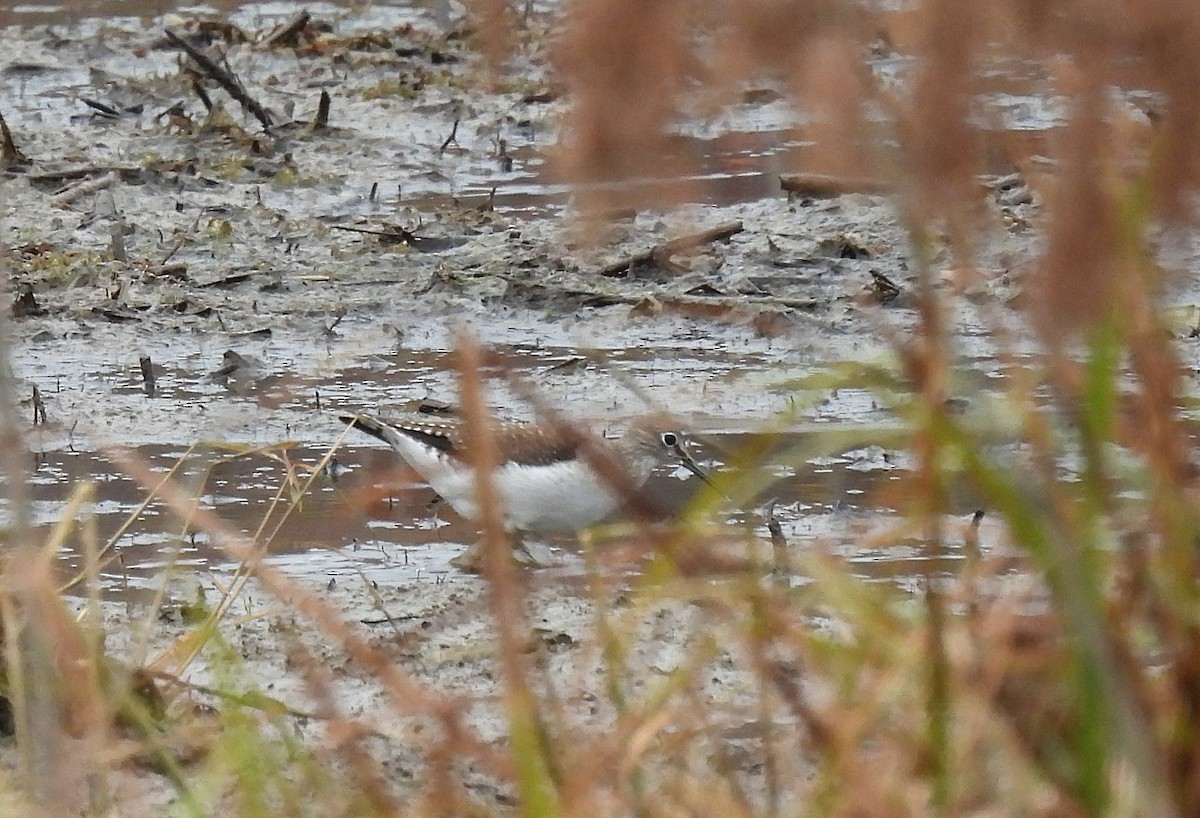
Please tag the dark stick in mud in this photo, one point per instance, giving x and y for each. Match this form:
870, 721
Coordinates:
452, 139
660, 254
9, 152
202, 94
322, 120
147, 367
226, 80
820, 186
103, 109
885, 290
125, 172
402, 235
289, 33
779, 543
39, 407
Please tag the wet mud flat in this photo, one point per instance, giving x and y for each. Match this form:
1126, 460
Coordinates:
336, 247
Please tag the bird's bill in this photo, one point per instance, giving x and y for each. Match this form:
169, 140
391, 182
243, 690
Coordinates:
689, 463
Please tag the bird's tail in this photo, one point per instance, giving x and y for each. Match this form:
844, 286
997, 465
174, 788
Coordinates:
371, 426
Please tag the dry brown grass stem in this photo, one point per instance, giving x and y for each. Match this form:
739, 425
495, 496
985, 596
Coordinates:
406, 695
531, 754
12, 444
31, 650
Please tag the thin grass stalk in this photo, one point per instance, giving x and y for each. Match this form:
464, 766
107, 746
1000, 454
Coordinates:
1085, 581
100, 796
36, 685
612, 652
927, 363
759, 634
247, 565
12, 442
539, 796
110, 546
405, 695
26, 697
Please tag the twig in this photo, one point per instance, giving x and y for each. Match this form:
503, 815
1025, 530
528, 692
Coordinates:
403, 235
660, 255
364, 230
288, 33
200, 92
820, 185
148, 381
176, 109
9, 151
779, 543
322, 120
81, 172
391, 619
452, 139
224, 78
885, 289
337, 320
39, 407
84, 188
101, 108
175, 249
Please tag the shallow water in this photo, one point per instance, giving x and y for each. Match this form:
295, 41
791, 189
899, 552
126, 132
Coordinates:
832, 481
369, 515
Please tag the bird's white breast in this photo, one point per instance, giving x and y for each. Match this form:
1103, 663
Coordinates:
562, 496
452, 480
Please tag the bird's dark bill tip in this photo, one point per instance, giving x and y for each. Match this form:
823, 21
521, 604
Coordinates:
695, 468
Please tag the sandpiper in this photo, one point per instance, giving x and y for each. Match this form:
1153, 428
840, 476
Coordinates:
545, 478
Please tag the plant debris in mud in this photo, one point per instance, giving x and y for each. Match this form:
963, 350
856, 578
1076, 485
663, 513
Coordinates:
1037, 660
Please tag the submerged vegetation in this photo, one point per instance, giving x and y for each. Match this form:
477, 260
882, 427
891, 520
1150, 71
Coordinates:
729, 670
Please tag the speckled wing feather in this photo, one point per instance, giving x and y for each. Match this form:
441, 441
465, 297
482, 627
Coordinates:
528, 445
435, 434
519, 443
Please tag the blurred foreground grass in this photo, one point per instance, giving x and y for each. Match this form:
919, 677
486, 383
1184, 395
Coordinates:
1068, 687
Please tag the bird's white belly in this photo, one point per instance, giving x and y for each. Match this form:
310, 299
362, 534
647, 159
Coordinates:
556, 497
563, 496
453, 482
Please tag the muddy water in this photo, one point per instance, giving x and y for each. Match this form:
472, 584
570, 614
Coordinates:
374, 516
833, 477
833, 480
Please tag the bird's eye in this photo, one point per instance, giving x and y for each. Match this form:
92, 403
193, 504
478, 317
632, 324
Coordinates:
670, 439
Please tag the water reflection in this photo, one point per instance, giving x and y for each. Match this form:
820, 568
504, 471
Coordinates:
376, 521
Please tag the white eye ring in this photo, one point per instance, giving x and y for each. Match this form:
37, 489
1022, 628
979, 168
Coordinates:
670, 439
